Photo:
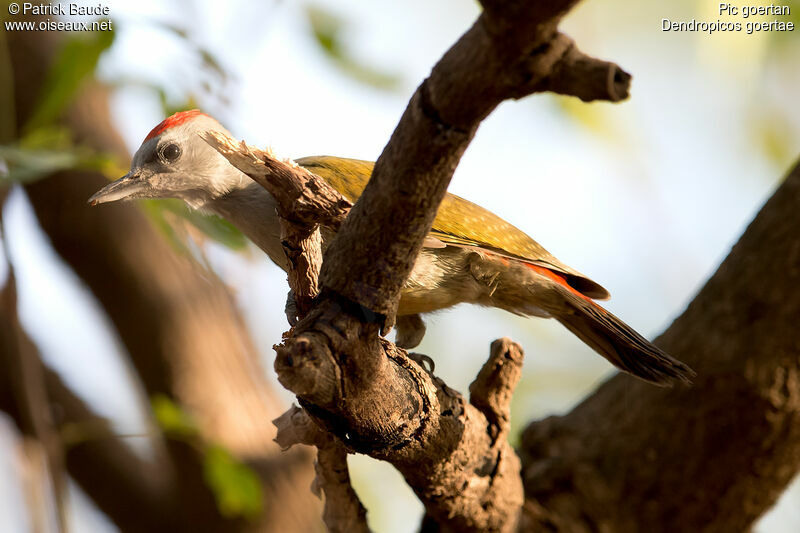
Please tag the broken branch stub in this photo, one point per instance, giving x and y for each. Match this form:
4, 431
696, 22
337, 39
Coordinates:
454, 455
343, 512
304, 202
301, 196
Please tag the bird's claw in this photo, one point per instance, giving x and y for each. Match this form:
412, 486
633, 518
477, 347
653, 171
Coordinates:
424, 361
291, 309
410, 330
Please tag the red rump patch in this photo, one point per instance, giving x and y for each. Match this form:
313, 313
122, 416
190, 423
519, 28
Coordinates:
544, 271
170, 122
558, 278
561, 280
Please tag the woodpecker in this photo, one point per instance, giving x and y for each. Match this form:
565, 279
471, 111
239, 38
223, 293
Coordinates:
470, 255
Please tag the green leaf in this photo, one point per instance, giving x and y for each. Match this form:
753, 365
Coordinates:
774, 133
327, 28
171, 418
76, 61
216, 228
25, 166
236, 487
154, 209
47, 150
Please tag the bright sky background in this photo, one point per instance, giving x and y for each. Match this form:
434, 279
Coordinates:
645, 197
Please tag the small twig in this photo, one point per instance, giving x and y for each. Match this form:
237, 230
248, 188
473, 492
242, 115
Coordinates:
492, 390
586, 77
343, 511
303, 248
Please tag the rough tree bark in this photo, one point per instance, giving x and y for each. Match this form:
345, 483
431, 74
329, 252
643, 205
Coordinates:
710, 458
180, 327
713, 457
511, 51
453, 453
629, 458
368, 394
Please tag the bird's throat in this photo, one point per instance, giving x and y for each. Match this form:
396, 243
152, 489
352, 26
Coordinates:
252, 210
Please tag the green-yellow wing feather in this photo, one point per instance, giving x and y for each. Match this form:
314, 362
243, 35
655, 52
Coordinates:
459, 222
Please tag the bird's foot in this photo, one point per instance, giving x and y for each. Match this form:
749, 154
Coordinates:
410, 330
424, 361
291, 309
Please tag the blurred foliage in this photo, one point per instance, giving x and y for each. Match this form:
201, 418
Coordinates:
236, 487
75, 62
209, 64
49, 149
783, 38
209, 60
327, 29
170, 108
173, 421
597, 117
755, 63
214, 227
45, 147
774, 134
8, 124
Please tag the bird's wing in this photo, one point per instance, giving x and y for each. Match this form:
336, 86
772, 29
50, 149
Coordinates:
458, 222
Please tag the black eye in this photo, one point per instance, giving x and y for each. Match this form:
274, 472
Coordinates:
171, 152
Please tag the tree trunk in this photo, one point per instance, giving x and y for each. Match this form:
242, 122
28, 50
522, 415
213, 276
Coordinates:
713, 457
180, 326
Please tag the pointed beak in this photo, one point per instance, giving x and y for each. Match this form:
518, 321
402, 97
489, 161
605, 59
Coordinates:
125, 187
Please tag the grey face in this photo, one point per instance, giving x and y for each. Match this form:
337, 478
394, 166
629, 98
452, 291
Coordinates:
152, 168
176, 164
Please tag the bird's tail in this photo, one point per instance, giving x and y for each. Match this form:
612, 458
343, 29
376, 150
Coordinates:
620, 344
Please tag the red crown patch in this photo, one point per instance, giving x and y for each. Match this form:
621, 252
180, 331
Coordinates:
170, 122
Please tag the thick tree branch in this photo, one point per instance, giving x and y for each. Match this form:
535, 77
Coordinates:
363, 389
378, 401
458, 463
511, 51
713, 457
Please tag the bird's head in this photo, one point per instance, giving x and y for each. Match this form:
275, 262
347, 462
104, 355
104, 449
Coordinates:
175, 162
